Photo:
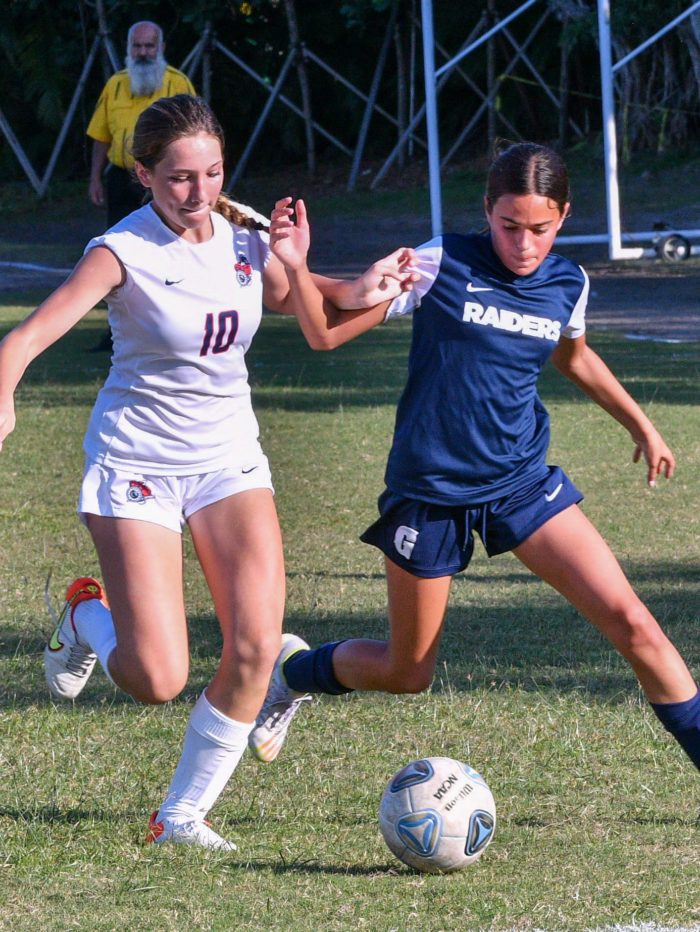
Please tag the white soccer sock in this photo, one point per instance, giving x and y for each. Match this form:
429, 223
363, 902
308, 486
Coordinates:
213, 746
94, 626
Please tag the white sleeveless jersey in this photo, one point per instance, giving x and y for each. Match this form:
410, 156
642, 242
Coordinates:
177, 400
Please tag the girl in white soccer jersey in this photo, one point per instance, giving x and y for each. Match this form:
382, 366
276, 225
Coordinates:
469, 451
173, 437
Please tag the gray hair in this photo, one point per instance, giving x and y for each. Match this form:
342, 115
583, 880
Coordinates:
144, 22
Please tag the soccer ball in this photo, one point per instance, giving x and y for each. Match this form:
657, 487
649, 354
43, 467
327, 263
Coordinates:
437, 815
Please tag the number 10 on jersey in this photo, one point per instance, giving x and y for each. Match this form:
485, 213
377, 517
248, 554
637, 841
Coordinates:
226, 329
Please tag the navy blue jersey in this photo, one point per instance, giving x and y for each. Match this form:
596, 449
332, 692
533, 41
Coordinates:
470, 426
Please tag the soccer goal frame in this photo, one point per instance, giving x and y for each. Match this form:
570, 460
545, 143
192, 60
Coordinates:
671, 244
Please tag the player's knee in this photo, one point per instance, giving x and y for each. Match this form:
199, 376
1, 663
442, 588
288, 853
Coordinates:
158, 693
415, 679
638, 630
159, 685
253, 656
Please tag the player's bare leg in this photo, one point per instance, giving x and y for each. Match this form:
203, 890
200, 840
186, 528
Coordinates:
403, 664
569, 554
142, 570
406, 662
239, 546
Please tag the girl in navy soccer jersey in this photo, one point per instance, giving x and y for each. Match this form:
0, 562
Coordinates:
470, 445
173, 439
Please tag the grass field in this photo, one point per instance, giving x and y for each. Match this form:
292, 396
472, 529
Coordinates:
597, 808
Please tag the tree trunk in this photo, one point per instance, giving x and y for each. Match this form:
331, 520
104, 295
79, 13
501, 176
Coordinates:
691, 33
303, 84
103, 28
401, 84
491, 77
564, 96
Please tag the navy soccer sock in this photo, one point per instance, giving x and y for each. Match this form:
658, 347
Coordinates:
311, 671
682, 720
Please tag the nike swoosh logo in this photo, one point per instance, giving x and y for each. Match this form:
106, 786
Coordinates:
472, 288
552, 495
177, 282
246, 471
55, 643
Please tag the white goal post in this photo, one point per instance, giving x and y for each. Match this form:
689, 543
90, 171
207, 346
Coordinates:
671, 244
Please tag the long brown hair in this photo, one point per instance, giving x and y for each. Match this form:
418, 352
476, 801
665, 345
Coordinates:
178, 117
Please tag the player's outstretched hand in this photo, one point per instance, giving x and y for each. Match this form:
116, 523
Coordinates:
658, 457
387, 278
289, 234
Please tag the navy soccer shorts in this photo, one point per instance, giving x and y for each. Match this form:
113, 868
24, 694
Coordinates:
432, 540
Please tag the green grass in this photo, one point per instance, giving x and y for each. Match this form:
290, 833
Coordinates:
597, 807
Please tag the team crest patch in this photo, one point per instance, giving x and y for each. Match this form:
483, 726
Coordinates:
138, 491
244, 270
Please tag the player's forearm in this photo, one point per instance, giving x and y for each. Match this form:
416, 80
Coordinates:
99, 158
342, 293
306, 301
325, 325
14, 359
596, 380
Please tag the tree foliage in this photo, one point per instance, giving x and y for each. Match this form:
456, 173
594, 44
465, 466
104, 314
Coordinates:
657, 103
44, 45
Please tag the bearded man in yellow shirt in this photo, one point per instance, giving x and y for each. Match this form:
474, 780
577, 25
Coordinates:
146, 78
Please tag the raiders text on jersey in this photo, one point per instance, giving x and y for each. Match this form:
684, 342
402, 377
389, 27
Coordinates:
501, 319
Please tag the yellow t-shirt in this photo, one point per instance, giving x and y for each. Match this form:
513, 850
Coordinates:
117, 111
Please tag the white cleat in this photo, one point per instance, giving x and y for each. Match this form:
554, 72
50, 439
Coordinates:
191, 832
279, 708
68, 662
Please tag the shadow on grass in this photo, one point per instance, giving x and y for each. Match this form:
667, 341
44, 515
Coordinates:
632, 820
534, 641
55, 816
285, 374
69, 372
642, 573
371, 370
312, 867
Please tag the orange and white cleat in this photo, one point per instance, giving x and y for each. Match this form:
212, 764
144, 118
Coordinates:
68, 661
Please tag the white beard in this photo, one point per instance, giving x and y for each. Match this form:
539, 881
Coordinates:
145, 77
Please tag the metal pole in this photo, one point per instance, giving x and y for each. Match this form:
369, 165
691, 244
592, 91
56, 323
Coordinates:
20, 153
58, 145
487, 98
372, 100
358, 93
412, 71
103, 29
615, 248
657, 35
262, 118
486, 36
491, 80
206, 63
418, 116
285, 100
540, 80
351, 87
431, 116
191, 61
